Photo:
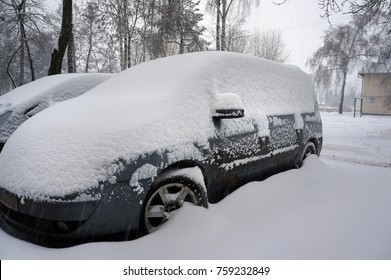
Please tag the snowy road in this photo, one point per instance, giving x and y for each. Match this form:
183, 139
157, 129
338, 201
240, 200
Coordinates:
335, 207
363, 140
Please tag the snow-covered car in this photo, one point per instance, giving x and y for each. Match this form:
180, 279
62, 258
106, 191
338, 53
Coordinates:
123, 156
23, 102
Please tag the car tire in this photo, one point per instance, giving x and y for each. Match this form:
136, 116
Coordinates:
309, 149
167, 195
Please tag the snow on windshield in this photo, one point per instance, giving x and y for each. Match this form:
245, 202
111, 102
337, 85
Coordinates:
153, 106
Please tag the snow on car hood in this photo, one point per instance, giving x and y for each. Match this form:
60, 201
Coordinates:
156, 105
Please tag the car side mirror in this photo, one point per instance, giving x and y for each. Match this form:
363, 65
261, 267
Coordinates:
228, 106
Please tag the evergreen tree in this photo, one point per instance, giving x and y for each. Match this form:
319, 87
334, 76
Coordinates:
179, 25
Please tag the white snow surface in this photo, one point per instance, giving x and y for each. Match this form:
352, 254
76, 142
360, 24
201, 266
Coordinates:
30, 90
156, 105
363, 140
228, 100
46, 85
41, 94
335, 207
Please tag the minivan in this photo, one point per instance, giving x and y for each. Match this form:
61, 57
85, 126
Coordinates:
124, 156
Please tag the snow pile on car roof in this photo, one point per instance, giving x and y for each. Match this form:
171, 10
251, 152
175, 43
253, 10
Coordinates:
157, 105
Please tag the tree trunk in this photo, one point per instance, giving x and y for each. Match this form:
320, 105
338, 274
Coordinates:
129, 52
30, 59
218, 23
71, 50
121, 50
24, 40
89, 47
71, 54
21, 53
8, 67
181, 45
340, 109
224, 13
126, 49
63, 41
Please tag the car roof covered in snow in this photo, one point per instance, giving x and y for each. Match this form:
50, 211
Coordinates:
162, 104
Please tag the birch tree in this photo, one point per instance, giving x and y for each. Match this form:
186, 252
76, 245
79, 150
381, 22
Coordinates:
222, 8
120, 18
91, 39
71, 59
372, 12
344, 47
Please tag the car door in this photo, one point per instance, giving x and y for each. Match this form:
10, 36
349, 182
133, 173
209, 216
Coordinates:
285, 132
239, 155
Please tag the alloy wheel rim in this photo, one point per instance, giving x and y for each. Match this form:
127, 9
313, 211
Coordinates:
163, 201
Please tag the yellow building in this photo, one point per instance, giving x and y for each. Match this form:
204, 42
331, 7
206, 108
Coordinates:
376, 93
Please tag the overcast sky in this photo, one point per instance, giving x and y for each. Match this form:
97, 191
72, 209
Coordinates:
300, 23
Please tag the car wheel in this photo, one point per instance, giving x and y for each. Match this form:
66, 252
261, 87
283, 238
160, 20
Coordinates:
309, 149
166, 196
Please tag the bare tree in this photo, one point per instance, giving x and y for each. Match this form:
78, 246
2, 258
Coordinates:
222, 8
344, 46
21, 31
371, 8
120, 18
270, 45
21, 17
237, 38
377, 12
89, 31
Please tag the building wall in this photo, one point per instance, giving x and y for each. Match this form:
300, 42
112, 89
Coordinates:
375, 89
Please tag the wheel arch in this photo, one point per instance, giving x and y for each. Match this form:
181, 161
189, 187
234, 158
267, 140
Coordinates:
170, 177
184, 164
298, 161
316, 142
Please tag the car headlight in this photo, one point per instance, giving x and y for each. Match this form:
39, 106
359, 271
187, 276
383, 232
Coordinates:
4, 117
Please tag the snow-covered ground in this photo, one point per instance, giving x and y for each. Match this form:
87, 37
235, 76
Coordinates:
335, 207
